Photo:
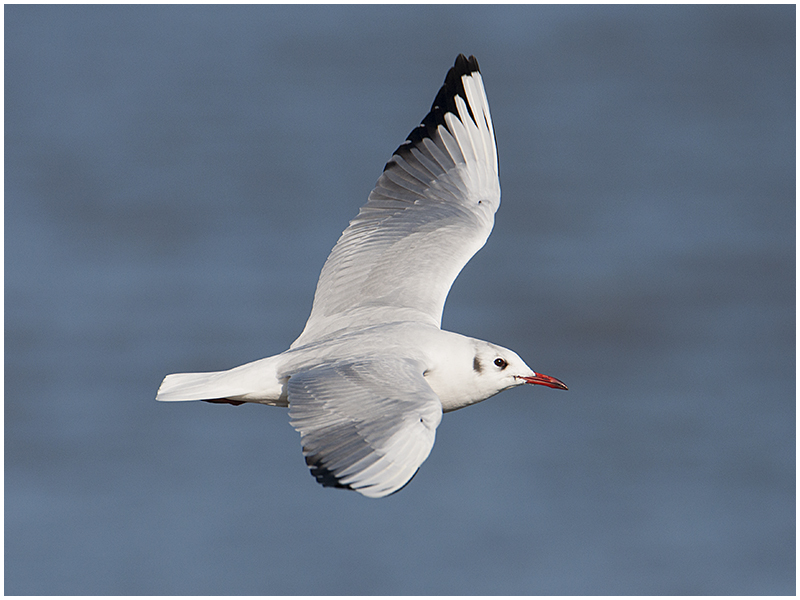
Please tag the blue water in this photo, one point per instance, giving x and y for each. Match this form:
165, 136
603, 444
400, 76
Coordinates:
175, 177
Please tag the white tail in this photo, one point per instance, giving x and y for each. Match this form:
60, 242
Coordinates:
181, 387
253, 382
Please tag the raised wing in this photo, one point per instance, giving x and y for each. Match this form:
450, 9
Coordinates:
431, 210
365, 425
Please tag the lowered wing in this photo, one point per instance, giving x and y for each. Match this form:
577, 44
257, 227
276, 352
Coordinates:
365, 425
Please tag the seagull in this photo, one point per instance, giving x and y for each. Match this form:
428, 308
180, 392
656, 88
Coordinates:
372, 372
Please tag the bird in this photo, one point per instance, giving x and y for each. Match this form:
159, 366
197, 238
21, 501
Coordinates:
372, 372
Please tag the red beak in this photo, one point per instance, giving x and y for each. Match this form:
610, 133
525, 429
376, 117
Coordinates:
540, 379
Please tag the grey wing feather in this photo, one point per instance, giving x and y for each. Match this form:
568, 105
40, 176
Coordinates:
431, 210
360, 432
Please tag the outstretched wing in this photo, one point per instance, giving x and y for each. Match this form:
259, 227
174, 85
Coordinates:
431, 210
364, 425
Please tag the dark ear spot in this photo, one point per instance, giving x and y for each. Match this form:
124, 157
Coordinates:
476, 364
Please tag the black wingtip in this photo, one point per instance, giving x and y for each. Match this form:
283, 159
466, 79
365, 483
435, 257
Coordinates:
454, 86
445, 102
323, 475
465, 66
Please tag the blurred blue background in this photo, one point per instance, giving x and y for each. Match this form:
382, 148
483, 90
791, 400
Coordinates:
175, 178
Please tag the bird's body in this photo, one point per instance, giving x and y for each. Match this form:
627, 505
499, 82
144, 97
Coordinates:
369, 377
452, 365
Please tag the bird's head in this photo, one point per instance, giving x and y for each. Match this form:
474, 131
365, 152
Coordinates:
482, 370
499, 368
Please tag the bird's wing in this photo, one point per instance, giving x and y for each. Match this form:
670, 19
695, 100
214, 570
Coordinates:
431, 210
365, 425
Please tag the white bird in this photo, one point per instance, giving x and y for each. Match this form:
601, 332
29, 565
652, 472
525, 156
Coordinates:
369, 377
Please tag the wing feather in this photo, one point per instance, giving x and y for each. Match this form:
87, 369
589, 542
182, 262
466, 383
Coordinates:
431, 210
360, 432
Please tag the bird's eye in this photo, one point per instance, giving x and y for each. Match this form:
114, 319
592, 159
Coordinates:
500, 363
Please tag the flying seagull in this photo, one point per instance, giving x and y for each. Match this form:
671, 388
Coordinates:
369, 377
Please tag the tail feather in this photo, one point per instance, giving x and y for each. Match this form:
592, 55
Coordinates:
253, 382
186, 387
